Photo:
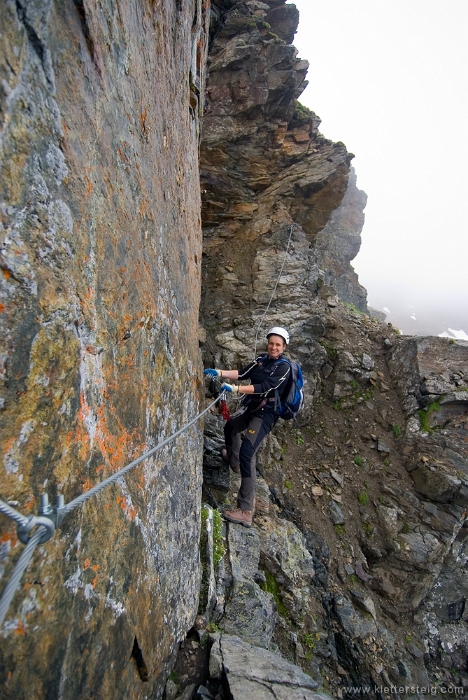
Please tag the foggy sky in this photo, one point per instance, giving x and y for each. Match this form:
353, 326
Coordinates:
389, 80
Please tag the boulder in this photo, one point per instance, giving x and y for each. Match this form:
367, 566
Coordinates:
352, 623
284, 553
336, 514
435, 484
253, 673
364, 602
249, 611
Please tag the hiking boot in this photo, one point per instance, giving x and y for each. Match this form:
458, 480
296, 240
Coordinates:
239, 516
235, 469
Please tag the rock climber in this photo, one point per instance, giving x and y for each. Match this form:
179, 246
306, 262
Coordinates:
258, 413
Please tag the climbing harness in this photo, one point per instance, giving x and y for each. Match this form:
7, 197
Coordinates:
291, 228
50, 518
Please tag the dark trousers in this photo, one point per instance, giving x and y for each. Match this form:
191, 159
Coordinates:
241, 451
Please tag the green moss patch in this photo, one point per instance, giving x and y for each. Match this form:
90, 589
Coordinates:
271, 585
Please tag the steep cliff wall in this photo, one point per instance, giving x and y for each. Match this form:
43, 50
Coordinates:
264, 167
370, 588
100, 258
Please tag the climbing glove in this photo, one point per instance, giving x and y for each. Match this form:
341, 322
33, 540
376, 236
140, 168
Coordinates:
212, 372
231, 388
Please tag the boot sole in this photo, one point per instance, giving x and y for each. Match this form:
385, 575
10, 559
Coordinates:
236, 522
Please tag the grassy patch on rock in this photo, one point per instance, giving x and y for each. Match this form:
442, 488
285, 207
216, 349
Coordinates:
425, 417
272, 586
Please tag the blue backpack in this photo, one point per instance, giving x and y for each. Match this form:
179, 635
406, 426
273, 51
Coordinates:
292, 398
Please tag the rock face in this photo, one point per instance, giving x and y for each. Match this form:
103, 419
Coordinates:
431, 375
252, 673
338, 243
366, 563
373, 479
264, 168
354, 574
100, 255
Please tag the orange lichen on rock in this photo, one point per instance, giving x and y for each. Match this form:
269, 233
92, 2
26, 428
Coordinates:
20, 628
87, 485
130, 511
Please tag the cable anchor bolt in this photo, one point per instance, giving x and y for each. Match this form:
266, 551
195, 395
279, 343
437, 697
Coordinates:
49, 517
56, 514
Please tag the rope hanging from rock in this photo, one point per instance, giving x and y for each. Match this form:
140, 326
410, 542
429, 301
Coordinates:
51, 518
291, 228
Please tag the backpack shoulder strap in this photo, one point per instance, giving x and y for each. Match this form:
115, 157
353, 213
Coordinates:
283, 359
279, 397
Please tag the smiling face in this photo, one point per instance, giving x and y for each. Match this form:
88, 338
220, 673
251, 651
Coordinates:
275, 346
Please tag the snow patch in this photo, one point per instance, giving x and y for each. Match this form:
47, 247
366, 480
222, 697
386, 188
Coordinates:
454, 335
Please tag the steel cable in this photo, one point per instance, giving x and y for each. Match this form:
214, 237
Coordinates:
12, 513
18, 571
35, 539
99, 487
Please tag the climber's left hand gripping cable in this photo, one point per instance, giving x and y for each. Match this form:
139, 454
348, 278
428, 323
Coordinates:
230, 388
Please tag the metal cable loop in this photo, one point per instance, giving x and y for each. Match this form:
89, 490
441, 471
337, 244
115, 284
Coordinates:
99, 487
21, 565
43, 532
12, 513
274, 290
36, 521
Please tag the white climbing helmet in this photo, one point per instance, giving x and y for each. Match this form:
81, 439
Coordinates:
282, 332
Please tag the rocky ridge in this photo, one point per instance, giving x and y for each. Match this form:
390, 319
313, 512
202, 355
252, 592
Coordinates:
372, 480
365, 563
265, 167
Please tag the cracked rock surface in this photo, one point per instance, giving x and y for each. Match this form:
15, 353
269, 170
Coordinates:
254, 673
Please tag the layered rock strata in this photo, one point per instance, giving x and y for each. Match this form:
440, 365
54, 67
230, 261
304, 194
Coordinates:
264, 168
373, 478
100, 255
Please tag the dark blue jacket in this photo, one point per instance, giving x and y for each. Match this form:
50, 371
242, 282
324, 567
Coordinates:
267, 375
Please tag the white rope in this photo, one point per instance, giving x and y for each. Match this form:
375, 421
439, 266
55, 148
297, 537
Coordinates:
274, 290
